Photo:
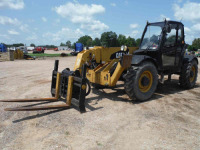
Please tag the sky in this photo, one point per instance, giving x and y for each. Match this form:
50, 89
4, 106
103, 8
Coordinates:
50, 22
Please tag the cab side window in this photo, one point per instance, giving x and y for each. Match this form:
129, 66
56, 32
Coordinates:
180, 37
170, 38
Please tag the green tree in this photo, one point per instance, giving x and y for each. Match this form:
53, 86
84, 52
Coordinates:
109, 39
196, 43
32, 45
68, 43
50, 46
89, 42
121, 40
18, 44
62, 44
96, 42
138, 42
190, 48
73, 45
85, 40
130, 42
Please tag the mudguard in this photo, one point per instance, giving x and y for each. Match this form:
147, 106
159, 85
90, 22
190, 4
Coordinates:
138, 59
189, 58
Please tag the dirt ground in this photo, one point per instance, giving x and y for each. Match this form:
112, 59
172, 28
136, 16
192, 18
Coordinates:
169, 120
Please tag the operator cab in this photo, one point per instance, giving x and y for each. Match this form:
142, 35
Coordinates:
164, 42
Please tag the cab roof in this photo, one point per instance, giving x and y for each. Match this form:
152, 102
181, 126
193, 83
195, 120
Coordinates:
164, 22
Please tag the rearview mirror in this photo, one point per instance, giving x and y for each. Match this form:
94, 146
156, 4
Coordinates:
167, 28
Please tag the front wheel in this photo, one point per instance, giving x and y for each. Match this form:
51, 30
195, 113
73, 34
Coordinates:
141, 81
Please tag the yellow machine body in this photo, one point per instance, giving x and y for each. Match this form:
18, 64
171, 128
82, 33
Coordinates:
102, 73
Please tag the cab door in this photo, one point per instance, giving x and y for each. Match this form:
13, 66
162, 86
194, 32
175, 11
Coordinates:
171, 49
180, 46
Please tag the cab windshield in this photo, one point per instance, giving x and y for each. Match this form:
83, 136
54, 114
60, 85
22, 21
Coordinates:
151, 38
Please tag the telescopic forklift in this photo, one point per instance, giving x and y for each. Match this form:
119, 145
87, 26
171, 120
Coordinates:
161, 52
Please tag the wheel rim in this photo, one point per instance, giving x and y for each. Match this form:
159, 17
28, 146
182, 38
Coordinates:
145, 81
192, 74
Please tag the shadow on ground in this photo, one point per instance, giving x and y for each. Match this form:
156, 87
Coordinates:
118, 94
162, 90
37, 115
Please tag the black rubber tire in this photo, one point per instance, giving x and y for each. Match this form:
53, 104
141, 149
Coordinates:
184, 78
89, 88
132, 79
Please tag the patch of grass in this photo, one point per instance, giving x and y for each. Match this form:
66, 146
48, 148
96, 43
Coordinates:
67, 133
99, 144
44, 55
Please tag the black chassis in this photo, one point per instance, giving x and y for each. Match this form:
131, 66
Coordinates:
156, 56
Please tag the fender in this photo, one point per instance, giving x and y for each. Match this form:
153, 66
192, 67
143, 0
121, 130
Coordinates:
138, 59
189, 58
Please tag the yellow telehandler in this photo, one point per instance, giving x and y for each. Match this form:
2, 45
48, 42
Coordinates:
161, 52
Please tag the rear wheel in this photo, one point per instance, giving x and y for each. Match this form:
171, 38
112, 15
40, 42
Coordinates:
188, 76
141, 82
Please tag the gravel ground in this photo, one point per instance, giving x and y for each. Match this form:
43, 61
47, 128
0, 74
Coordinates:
169, 120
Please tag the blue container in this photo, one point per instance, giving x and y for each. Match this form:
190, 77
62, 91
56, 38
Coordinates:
78, 47
3, 48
